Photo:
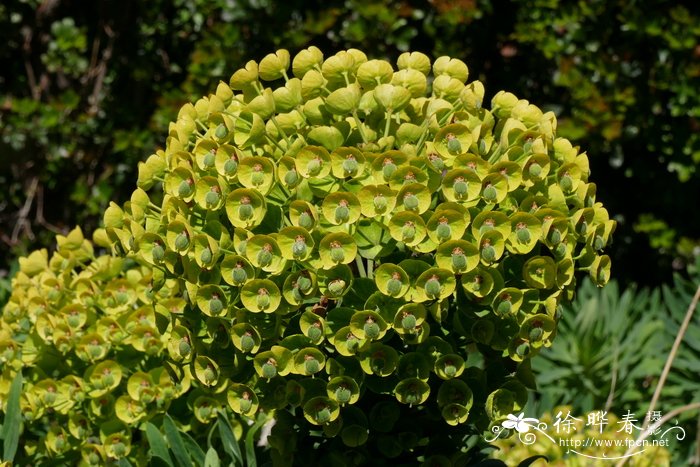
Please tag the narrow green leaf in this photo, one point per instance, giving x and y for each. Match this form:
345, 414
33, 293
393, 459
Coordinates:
157, 444
12, 425
176, 443
196, 452
251, 460
229, 440
123, 462
212, 459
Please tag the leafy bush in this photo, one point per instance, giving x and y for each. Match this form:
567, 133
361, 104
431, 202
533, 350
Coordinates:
345, 252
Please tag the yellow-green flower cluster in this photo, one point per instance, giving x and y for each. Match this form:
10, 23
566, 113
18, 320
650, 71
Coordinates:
92, 349
320, 227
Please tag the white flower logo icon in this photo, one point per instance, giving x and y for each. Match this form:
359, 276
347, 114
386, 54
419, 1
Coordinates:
519, 423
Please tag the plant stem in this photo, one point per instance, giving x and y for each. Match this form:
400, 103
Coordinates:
359, 126
388, 123
279, 128
360, 266
674, 350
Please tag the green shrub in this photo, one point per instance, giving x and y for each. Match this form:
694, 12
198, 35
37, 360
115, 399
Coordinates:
364, 253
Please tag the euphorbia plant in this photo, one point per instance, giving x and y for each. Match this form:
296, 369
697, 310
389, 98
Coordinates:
363, 252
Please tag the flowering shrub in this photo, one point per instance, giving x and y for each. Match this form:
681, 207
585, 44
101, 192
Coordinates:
365, 253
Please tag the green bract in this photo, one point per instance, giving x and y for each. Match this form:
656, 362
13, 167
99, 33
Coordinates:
345, 243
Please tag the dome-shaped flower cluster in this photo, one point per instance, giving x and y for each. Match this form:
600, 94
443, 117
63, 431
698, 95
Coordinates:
314, 234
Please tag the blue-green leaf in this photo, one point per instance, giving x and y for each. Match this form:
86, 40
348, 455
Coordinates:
229, 440
196, 452
176, 443
12, 425
157, 443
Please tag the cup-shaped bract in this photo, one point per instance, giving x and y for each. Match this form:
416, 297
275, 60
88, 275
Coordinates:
261, 295
295, 243
412, 391
392, 280
242, 399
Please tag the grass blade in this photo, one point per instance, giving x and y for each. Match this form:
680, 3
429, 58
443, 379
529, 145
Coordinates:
176, 443
157, 444
229, 440
12, 425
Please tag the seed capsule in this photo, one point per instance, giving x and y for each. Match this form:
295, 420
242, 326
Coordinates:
265, 256
299, 247
247, 342
380, 203
311, 365
388, 168
215, 305
212, 197
263, 299
304, 284
535, 170
408, 322
535, 334
221, 131
453, 144
343, 394
291, 178
185, 188
460, 187
490, 193
566, 183
394, 284
306, 221
230, 166
157, 252
269, 369
337, 252
410, 201
342, 212
336, 287
371, 329
432, 287
488, 252
443, 230
314, 166
209, 159
459, 260
239, 275
182, 241
206, 256
523, 233
350, 166
315, 332
257, 178
523, 349
408, 231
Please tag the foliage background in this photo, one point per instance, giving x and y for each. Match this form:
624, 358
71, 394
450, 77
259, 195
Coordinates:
87, 90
